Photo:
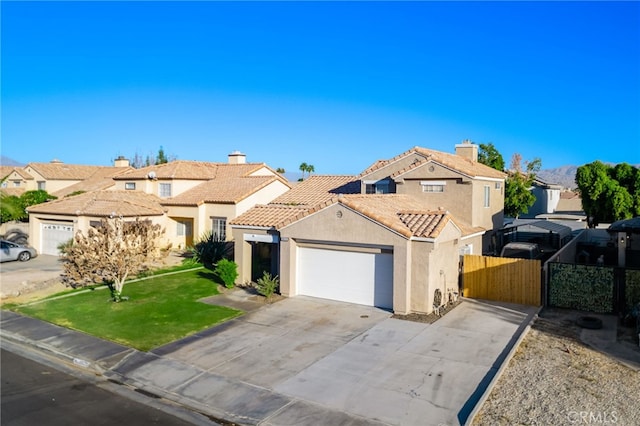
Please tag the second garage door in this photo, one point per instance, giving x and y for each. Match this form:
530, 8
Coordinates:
54, 234
359, 277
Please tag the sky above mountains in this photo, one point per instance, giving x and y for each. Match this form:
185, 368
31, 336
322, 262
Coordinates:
333, 84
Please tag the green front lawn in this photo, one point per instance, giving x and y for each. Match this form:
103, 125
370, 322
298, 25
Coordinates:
160, 310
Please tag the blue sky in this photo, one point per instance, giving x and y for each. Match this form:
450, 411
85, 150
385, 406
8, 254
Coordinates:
334, 84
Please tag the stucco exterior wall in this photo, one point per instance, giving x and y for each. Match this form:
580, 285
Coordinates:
80, 223
207, 212
242, 251
352, 229
435, 265
389, 169
262, 171
263, 196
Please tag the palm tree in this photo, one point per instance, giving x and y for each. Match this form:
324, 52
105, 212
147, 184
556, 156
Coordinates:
310, 169
303, 168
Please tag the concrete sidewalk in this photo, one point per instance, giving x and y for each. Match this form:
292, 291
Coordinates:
310, 361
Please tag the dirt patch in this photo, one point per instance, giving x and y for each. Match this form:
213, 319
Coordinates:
555, 378
428, 318
31, 291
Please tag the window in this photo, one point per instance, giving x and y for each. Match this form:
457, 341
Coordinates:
487, 196
498, 185
16, 183
219, 227
164, 190
132, 185
183, 228
42, 184
377, 187
433, 185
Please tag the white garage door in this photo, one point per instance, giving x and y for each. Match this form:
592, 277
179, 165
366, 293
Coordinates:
54, 234
348, 276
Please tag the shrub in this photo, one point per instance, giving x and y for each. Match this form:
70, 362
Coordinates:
209, 249
227, 271
267, 285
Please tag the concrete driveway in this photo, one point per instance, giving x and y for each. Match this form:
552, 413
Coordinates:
312, 361
15, 275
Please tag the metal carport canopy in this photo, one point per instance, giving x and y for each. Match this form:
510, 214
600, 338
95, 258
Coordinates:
561, 230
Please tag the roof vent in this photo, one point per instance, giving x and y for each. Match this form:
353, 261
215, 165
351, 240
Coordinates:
56, 161
151, 175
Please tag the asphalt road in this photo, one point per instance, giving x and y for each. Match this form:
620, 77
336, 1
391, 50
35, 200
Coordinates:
37, 394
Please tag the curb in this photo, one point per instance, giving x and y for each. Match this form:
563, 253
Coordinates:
502, 367
49, 350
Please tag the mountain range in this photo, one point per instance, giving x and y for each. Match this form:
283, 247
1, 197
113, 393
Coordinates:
564, 175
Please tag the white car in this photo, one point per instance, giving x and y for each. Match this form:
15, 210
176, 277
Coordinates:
12, 251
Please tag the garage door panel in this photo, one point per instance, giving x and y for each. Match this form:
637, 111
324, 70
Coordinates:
54, 234
355, 277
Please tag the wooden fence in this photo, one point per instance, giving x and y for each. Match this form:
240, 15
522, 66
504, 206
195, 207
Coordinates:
502, 279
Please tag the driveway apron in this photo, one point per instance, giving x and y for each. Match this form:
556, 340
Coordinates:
287, 361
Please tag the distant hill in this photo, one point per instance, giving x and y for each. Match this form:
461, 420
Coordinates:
6, 161
564, 175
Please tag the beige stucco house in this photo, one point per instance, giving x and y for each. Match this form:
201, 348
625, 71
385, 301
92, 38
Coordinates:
189, 198
55, 222
55, 177
390, 237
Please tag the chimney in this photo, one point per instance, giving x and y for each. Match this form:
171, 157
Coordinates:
236, 157
467, 149
121, 162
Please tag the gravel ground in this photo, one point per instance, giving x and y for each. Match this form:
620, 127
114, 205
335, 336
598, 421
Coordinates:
555, 379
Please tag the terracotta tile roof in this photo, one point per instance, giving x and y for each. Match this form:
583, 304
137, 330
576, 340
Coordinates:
401, 213
102, 204
318, 188
101, 180
452, 161
226, 191
62, 171
424, 225
6, 171
13, 191
22, 173
193, 170
269, 216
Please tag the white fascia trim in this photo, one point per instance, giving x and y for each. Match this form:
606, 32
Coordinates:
257, 228
477, 234
433, 182
376, 222
371, 182
428, 240
489, 179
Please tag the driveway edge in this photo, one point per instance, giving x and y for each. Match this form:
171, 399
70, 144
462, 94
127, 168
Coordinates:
502, 367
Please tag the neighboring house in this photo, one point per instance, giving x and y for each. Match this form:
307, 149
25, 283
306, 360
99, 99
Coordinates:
472, 192
57, 177
388, 238
202, 196
55, 222
17, 181
190, 198
256, 233
547, 198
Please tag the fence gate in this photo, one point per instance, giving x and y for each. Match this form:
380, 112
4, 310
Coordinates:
502, 279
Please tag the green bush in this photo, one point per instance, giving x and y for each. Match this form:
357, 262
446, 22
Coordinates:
209, 249
267, 285
227, 271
